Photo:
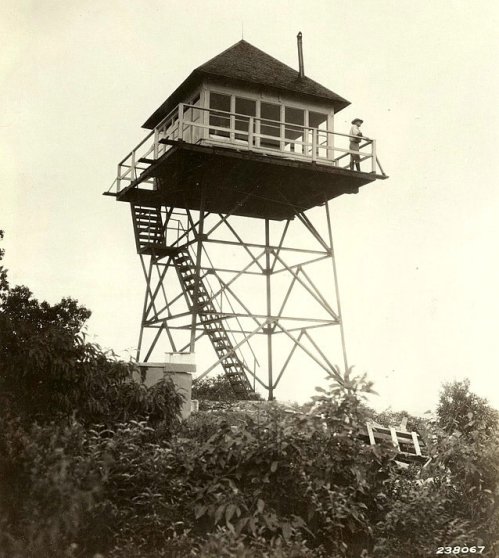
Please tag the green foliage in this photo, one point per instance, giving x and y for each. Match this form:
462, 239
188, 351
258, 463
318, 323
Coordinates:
49, 372
65, 405
92, 464
269, 482
49, 485
4, 284
225, 543
289, 477
463, 411
216, 388
454, 498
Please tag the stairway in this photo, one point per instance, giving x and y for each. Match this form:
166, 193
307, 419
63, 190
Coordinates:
213, 324
148, 228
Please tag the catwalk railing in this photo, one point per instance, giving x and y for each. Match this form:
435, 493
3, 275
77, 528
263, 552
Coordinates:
204, 126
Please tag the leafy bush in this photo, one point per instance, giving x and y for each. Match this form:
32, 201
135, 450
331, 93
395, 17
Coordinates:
216, 388
463, 411
62, 400
48, 371
289, 477
454, 498
49, 487
94, 465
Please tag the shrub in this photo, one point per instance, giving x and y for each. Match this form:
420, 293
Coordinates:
49, 372
64, 405
94, 464
463, 411
216, 388
289, 477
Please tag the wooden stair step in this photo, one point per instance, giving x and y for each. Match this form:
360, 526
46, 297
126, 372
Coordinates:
212, 322
144, 210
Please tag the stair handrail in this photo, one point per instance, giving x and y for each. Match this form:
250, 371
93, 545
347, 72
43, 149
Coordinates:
236, 350
223, 293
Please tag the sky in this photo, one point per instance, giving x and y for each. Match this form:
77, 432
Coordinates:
417, 254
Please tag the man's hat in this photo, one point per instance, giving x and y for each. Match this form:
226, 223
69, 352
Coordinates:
357, 120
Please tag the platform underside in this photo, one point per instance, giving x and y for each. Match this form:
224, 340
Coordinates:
242, 182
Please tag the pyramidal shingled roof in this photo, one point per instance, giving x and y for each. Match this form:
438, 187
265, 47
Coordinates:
245, 63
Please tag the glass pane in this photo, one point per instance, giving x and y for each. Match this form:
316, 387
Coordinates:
244, 107
270, 117
219, 102
295, 120
318, 120
195, 112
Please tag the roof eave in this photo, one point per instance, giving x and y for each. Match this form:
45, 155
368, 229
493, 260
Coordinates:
182, 90
339, 103
196, 77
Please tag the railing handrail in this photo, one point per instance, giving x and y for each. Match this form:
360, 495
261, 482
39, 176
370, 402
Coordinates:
136, 147
170, 115
266, 120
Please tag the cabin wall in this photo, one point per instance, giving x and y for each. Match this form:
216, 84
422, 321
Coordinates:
269, 121
272, 105
253, 92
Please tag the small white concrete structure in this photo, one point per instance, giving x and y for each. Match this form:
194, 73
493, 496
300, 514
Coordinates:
179, 367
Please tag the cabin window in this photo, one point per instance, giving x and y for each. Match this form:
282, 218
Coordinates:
318, 120
276, 126
194, 133
219, 102
270, 116
294, 129
244, 109
196, 113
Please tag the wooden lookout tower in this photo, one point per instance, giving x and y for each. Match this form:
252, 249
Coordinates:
229, 196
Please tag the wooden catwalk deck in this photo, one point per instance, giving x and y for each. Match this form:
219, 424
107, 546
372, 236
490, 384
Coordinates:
240, 182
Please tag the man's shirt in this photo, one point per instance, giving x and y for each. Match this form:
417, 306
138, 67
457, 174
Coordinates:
355, 131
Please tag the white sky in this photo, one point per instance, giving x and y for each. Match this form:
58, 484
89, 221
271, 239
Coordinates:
417, 254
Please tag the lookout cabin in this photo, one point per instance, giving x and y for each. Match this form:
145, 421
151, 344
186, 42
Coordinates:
257, 133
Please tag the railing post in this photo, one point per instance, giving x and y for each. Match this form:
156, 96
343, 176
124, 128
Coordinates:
118, 180
156, 141
314, 144
250, 133
133, 172
373, 156
181, 121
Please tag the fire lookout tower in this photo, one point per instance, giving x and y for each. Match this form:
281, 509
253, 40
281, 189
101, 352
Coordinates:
222, 193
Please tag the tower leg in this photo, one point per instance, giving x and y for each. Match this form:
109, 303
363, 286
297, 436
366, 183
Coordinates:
217, 299
269, 328
336, 286
144, 309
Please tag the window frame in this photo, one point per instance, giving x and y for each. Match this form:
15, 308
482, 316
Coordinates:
283, 103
